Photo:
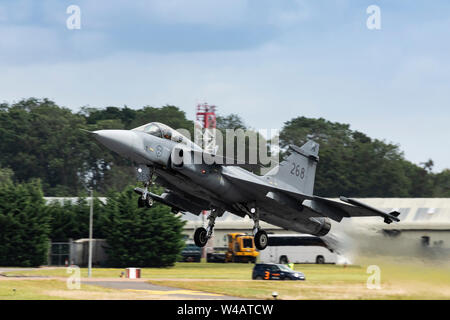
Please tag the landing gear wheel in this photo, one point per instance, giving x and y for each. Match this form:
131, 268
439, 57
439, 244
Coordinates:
200, 237
261, 240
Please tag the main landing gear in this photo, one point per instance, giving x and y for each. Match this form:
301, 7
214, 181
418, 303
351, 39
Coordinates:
260, 236
202, 235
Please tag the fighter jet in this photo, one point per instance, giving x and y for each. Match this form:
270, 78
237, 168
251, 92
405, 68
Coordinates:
282, 197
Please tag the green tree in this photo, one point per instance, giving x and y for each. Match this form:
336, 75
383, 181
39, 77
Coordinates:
231, 121
353, 164
420, 180
141, 237
24, 225
71, 220
6, 175
38, 139
442, 184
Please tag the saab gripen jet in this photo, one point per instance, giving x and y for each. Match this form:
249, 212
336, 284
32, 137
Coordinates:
283, 197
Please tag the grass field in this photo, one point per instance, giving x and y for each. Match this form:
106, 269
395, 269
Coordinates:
179, 271
49, 289
398, 281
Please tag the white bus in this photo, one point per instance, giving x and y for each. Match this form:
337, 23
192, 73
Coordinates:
298, 248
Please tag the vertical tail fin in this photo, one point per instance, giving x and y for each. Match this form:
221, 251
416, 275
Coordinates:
299, 168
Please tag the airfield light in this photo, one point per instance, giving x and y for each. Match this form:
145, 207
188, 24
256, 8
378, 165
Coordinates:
275, 295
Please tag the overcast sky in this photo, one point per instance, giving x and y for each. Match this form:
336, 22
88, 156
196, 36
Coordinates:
268, 61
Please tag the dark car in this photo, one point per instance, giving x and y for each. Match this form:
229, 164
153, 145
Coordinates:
191, 253
272, 271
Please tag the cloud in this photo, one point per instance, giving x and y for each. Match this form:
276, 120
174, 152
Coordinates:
164, 26
267, 61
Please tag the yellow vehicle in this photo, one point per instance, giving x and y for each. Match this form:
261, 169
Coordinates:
241, 248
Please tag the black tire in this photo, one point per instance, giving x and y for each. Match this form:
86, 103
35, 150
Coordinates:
261, 240
320, 260
284, 260
259, 278
141, 202
200, 238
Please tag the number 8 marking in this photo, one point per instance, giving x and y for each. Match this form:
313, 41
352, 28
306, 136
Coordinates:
295, 171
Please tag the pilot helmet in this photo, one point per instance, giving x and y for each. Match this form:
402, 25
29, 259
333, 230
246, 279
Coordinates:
167, 134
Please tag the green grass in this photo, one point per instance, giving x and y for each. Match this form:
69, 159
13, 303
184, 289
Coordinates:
398, 280
180, 270
44, 290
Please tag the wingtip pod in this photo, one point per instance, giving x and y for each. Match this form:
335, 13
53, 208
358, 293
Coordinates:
393, 216
394, 213
388, 217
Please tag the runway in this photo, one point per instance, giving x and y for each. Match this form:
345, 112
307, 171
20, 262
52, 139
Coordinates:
151, 289
139, 286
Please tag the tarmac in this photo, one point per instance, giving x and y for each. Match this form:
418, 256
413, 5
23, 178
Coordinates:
141, 285
131, 285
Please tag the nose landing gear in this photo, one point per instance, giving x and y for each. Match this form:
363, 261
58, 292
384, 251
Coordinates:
202, 235
145, 200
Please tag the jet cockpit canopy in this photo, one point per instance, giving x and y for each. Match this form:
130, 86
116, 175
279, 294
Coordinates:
161, 130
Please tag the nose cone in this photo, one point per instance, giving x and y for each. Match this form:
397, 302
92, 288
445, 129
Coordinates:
124, 142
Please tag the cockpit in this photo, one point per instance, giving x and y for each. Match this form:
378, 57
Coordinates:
160, 130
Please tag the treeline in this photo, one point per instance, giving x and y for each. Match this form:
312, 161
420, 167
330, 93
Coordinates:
39, 139
353, 164
135, 236
24, 225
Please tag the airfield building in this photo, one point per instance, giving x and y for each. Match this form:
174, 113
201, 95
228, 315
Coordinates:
424, 229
